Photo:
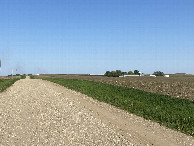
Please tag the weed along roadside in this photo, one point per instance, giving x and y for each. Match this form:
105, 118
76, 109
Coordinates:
23, 77
5, 83
171, 112
32, 77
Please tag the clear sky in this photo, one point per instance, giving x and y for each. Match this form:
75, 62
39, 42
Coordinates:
93, 36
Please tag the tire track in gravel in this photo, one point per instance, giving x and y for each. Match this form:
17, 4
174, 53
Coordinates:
37, 112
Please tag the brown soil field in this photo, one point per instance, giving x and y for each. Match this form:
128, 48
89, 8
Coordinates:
178, 87
9, 77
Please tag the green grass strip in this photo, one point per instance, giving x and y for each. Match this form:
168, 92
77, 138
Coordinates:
174, 113
32, 77
5, 83
23, 77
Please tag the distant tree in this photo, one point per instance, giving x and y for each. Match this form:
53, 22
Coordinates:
130, 72
114, 74
118, 72
158, 73
107, 73
124, 73
136, 72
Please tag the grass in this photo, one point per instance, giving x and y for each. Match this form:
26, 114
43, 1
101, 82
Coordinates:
5, 83
32, 77
23, 77
174, 113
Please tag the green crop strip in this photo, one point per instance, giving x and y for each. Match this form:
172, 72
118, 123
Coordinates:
5, 83
23, 77
32, 77
174, 113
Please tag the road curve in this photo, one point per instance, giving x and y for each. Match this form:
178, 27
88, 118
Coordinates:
37, 112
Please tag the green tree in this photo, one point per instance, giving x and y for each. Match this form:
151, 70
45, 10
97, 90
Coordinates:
124, 73
130, 72
118, 72
158, 73
136, 72
114, 74
107, 73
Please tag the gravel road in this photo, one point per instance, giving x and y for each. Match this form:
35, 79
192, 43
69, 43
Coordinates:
37, 112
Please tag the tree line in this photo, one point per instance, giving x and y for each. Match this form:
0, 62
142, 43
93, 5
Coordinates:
118, 73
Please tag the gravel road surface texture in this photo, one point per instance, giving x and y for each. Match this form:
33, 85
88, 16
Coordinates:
37, 112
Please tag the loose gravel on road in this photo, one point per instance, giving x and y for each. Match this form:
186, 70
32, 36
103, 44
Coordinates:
37, 112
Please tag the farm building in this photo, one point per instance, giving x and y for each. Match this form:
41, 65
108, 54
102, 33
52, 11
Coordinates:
133, 75
152, 75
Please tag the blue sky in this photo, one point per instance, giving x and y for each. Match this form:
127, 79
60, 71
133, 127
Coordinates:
93, 36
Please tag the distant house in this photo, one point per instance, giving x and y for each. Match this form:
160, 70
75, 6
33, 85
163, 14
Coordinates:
152, 75
129, 76
133, 75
